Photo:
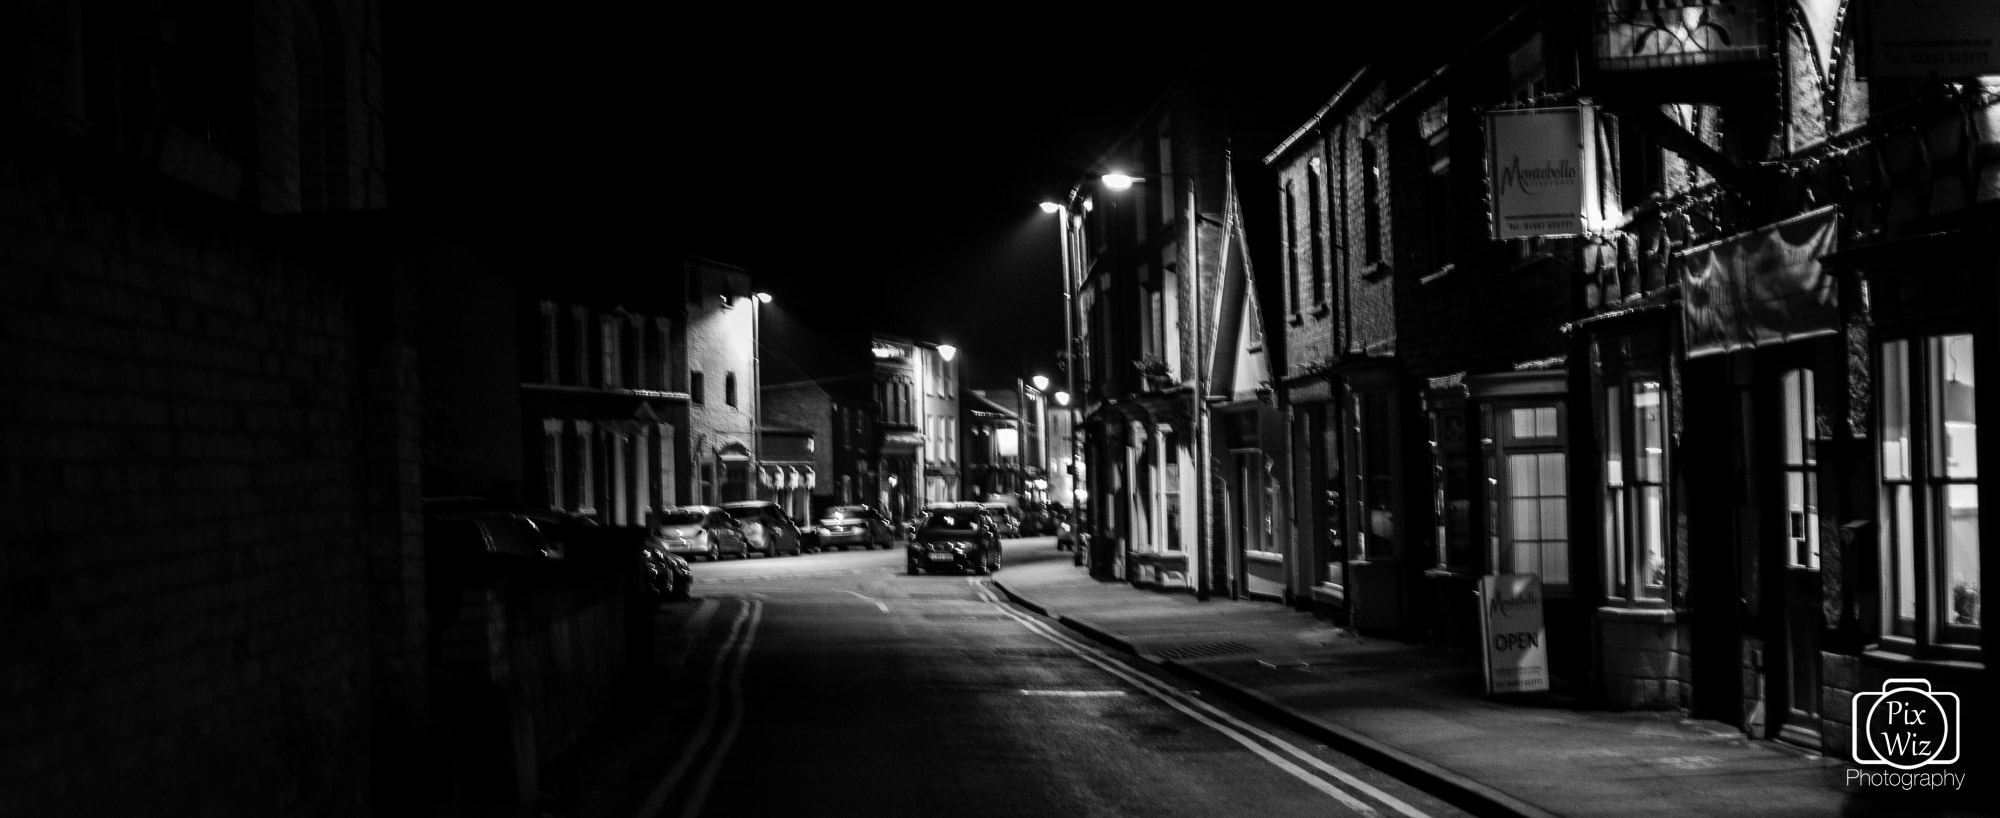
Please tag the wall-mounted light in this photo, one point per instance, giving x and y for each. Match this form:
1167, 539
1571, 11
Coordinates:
763, 298
947, 352
1041, 382
1062, 398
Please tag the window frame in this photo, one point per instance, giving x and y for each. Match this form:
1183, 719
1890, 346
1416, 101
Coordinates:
1620, 522
1502, 444
1925, 481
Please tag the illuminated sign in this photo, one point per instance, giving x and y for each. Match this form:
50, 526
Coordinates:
1544, 178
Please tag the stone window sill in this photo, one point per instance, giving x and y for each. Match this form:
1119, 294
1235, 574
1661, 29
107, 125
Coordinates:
1662, 616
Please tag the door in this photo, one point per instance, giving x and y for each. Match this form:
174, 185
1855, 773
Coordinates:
1793, 546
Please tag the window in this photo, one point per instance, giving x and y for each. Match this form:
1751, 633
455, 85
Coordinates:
1528, 509
1930, 490
1432, 127
1450, 492
1371, 202
586, 468
552, 461
729, 389
579, 320
1801, 439
1316, 223
1635, 494
612, 348
1292, 291
1375, 479
696, 389
551, 344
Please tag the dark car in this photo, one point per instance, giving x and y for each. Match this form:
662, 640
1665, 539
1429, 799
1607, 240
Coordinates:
844, 526
696, 531
957, 538
1004, 519
769, 529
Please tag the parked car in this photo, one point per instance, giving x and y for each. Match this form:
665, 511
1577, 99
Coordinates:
1004, 519
458, 528
844, 526
957, 537
770, 530
668, 576
697, 531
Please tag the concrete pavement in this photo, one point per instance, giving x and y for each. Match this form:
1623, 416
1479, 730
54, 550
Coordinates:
1420, 713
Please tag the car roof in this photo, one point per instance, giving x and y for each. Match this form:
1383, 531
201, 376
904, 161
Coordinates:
749, 504
702, 509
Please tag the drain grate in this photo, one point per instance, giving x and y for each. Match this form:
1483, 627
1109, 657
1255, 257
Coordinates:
1204, 651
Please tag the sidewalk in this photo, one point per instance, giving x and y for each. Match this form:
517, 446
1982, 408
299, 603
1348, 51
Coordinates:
1419, 713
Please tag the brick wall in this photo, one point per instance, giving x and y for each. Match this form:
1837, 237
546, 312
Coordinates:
206, 440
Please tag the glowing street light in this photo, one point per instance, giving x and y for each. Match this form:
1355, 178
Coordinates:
947, 352
763, 298
1062, 398
1050, 207
1041, 382
1119, 181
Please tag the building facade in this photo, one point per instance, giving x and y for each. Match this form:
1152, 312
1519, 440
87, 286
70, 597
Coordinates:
1146, 262
722, 377
1722, 408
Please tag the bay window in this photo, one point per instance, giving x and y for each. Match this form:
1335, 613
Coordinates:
1635, 494
1929, 490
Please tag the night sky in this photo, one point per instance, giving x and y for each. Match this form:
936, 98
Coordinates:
873, 172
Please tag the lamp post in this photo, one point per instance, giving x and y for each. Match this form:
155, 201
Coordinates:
758, 300
1198, 567
1066, 222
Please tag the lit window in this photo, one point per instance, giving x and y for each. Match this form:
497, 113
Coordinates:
1635, 494
1930, 491
1528, 506
1801, 438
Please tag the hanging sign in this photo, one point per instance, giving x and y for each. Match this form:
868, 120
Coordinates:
1510, 622
1543, 174
1934, 38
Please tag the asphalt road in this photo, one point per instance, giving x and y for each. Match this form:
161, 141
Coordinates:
834, 685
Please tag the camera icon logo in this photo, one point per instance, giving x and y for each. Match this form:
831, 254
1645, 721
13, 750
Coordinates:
1905, 726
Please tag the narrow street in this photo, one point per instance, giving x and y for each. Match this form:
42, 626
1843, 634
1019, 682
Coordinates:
835, 684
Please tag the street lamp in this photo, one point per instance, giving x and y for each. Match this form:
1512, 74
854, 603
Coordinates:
1117, 181
947, 352
757, 380
1066, 220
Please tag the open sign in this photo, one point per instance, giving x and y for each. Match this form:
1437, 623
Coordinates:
1510, 620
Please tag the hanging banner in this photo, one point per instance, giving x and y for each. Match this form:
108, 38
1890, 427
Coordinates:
1543, 172
1934, 38
1761, 288
1510, 620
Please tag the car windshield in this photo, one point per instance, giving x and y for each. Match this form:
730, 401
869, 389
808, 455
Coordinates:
953, 518
679, 516
838, 512
744, 512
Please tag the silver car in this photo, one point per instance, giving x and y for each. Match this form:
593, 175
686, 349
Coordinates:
703, 532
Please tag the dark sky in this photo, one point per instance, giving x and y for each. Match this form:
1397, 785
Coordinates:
874, 172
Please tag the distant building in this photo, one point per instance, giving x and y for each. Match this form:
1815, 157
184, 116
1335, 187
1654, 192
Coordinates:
722, 326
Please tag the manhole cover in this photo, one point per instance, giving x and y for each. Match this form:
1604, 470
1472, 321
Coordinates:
1203, 651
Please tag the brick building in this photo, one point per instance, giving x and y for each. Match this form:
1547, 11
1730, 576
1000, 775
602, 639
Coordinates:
212, 555
1724, 410
722, 377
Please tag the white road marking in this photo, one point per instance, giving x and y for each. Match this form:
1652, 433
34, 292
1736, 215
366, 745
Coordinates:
1221, 722
878, 603
730, 657
1074, 694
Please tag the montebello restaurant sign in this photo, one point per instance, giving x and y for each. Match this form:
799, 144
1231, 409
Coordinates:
1542, 173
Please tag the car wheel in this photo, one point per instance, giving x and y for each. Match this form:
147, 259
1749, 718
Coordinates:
914, 570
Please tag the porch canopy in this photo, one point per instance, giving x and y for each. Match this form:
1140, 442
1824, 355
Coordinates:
1760, 288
